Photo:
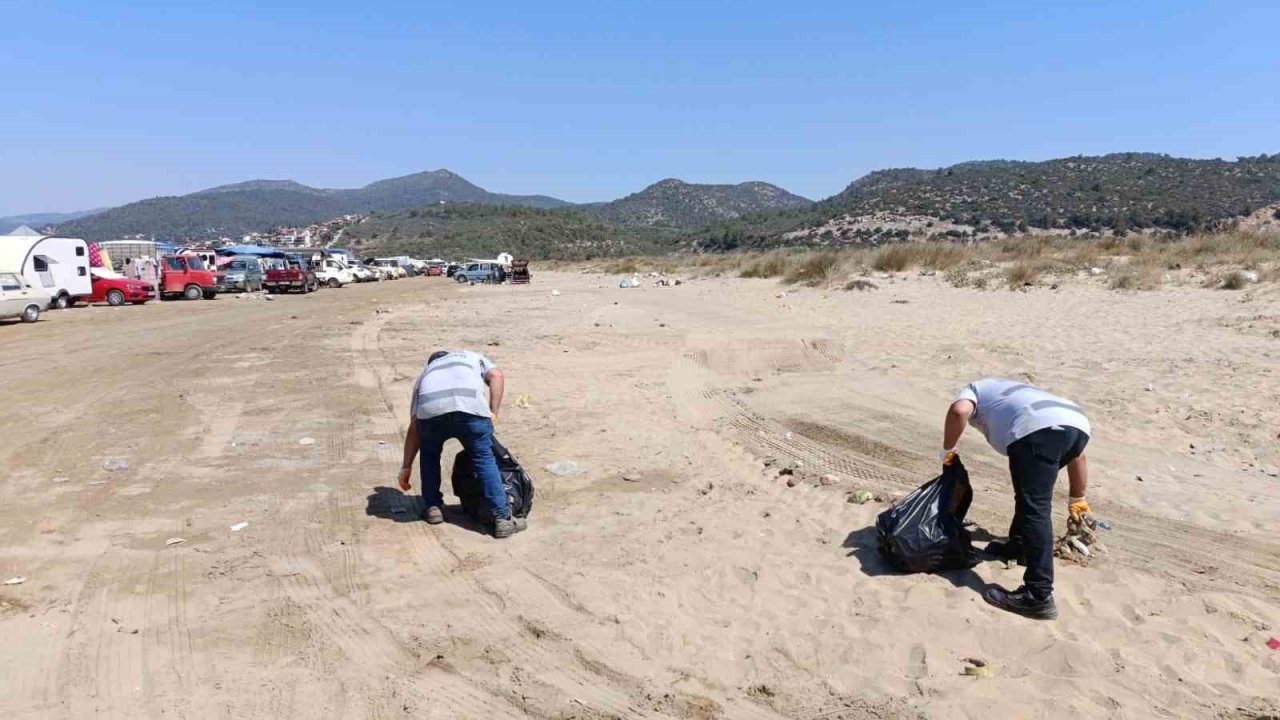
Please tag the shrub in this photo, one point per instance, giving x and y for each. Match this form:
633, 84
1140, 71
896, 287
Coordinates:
1236, 280
1023, 273
770, 265
814, 268
860, 285
928, 255
1135, 277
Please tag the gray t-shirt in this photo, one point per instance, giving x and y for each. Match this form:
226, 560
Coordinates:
1007, 411
453, 383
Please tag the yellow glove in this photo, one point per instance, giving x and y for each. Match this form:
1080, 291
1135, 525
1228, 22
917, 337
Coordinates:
1077, 507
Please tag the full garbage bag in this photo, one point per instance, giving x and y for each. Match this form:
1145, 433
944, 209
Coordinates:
925, 532
517, 484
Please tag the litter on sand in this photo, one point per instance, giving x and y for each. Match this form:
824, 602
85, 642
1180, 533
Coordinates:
565, 467
1080, 545
239, 526
977, 671
115, 464
522, 401
307, 441
15, 581
174, 541
1273, 643
862, 497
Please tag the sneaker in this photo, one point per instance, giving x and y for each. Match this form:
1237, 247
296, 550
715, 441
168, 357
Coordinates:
433, 515
1020, 602
507, 527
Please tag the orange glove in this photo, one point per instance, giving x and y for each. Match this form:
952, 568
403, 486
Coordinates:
1077, 507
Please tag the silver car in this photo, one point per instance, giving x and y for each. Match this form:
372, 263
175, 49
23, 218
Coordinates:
19, 299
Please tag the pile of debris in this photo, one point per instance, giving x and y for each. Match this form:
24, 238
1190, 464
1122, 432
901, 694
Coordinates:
1081, 544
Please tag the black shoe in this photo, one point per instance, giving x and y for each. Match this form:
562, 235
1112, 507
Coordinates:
1008, 550
1020, 602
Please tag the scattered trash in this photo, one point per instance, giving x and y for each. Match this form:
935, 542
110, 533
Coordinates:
789, 436
780, 295
628, 283
978, 671
115, 464
98, 482
861, 497
60, 480
828, 480
792, 481
522, 401
1104, 524
1150, 387
239, 526
555, 293
307, 441
1080, 544
976, 662
633, 478
15, 581
1249, 276
268, 297
1139, 478
174, 541
1272, 643
563, 468
1095, 271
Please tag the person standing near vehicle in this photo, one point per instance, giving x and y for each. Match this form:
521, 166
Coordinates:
449, 402
1040, 433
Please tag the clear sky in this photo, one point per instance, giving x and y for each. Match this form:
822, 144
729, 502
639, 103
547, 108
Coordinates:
109, 102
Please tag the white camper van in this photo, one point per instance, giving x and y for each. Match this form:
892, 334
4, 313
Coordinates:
57, 265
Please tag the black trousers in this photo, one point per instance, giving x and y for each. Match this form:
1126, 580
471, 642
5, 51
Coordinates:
1034, 462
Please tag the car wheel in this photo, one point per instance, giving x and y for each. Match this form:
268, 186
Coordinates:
459, 278
334, 283
31, 314
62, 302
115, 298
192, 292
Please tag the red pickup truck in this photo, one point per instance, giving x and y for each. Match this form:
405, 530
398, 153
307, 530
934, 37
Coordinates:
186, 276
293, 273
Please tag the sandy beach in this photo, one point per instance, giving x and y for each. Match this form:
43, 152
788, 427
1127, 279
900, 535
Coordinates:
677, 575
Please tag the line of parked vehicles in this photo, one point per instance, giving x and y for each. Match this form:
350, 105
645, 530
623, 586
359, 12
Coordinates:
39, 272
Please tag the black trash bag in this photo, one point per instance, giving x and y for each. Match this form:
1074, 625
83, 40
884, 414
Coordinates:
516, 482
925, 531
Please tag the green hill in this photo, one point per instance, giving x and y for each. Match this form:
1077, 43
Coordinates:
1115, 193
674, 203
257, 205
465, 230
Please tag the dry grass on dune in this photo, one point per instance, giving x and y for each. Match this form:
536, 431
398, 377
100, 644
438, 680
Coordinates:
1132, 263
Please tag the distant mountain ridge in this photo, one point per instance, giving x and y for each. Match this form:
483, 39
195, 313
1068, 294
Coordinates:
39, 220
674, 203
258, 205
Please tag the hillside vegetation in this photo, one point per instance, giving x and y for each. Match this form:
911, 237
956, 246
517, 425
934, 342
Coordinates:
258, 205
459, 230
674, 203
1108, 194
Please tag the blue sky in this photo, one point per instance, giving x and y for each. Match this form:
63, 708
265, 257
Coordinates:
109, 102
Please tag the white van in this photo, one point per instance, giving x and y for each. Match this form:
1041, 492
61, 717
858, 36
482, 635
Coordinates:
57, 265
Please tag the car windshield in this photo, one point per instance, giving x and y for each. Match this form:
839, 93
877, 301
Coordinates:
236, 265
195, 263
9, 281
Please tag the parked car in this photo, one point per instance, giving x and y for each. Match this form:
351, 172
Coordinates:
20, 299
57, 265
392, 269
452, 269
364, 273
291, 274
480, 273
434, 271
186, 276
334, 273
115, 289
243, 274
